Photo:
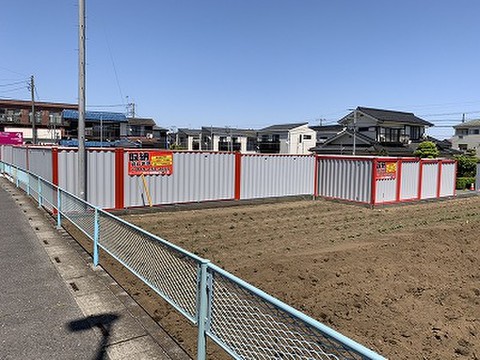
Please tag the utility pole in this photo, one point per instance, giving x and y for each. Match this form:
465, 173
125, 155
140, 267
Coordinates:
34, 128
81, 101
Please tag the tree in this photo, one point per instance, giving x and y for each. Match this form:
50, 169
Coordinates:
466, 165
427, 149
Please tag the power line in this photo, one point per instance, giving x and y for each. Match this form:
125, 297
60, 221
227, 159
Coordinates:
14, 83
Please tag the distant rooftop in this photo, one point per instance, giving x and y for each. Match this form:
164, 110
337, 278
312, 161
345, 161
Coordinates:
283, 127
467, 124
39, 104
392, 115
95, 116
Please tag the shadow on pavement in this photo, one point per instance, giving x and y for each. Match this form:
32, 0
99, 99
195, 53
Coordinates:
103, 322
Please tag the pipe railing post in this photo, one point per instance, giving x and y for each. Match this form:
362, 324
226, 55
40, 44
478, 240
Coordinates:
96, 231
59, 206
16, 177
202, 312
28, 184
39, 191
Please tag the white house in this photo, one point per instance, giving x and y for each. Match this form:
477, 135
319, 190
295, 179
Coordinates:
295, 138
467, 136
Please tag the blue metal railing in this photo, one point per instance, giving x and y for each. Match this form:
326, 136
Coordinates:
243, 320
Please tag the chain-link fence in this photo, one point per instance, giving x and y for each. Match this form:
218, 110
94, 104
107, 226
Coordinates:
246, 322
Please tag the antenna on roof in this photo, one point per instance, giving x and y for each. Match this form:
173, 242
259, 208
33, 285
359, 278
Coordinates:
463, 117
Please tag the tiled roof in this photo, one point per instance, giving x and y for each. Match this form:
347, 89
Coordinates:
468, 124
391, 115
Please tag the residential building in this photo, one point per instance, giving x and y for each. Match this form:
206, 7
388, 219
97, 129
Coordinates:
379, 132
146, 132
295, 138
228, 139
467, 136
188, 139
16, 116
99, 125
325, 132
217, 139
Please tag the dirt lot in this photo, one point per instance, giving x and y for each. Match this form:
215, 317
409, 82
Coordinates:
404, 281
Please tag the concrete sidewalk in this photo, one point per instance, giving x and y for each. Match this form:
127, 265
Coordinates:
55, 305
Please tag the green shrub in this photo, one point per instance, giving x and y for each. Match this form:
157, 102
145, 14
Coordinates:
464, 182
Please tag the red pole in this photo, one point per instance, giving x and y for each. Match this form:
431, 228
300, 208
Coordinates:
374, 182
399, 179
439, 178
119, 179
420, 179
55, 166
238, 174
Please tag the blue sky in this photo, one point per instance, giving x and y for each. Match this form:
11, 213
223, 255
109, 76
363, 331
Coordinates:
250, 64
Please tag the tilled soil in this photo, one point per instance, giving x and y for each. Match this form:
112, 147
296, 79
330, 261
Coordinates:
404, 281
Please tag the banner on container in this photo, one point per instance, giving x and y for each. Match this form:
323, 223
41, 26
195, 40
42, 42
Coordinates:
150, 162
11, 138
386, 170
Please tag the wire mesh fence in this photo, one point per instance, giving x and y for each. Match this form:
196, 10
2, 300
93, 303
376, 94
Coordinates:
237, 312
243, 320
170, 272
78, 212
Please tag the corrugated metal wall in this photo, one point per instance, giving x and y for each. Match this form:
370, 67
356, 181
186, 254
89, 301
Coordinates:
429, 180
386, 190
6, 153
40, 162
101, 178
196, 177
265, 176
409, 181
67, 170
345, 179
19, 157
100, 175
447, 182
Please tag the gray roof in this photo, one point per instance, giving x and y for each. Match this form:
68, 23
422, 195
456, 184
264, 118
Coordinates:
337, 128
190, 132
391, 115
227, 131
283, 127
141, 121
468, 124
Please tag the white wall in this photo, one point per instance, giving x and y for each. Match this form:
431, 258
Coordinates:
42, 134
301, 147
472, 142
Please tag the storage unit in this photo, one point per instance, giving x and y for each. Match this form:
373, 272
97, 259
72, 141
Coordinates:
214, 176
384, 180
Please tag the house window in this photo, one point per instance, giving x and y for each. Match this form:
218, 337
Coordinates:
276, 138
307, 137
390, 135
476, 131
265, 138
38, 117
55, 118
463, 147
461, 132
363, 129
415, 132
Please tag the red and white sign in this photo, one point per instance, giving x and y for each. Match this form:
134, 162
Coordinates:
150, 162
386, 170
11, 138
